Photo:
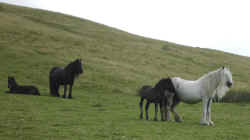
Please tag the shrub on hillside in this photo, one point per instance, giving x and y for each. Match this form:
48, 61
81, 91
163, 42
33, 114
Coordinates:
239, 96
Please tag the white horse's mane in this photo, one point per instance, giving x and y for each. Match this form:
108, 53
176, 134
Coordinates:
215, 82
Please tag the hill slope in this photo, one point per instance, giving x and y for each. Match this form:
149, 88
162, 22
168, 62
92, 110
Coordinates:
116, 65
32, 41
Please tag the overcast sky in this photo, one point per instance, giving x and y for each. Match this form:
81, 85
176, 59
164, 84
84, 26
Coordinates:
217, 24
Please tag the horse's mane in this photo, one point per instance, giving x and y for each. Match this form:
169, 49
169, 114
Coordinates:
165, 84
214, 82
74, 67
222, 88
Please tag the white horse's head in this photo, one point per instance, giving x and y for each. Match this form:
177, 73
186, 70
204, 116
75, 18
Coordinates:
228, 77
226, 82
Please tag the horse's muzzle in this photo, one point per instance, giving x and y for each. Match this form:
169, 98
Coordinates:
229, 84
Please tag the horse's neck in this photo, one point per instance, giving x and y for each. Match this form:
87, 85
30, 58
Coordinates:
14, 84
211, 79
69, 69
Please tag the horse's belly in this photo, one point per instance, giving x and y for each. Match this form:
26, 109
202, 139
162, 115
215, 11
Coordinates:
189, 96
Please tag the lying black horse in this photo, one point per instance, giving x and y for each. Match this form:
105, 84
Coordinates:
64, 76
162, 93
15, 88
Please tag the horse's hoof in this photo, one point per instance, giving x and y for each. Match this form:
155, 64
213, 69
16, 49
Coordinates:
178, 119
204, 123
155, 119
70, 97
64, 96
211, 123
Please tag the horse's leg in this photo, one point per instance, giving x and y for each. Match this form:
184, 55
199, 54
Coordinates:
57, 89
52, 86
167, 109
141, 108
146, 108
177, 118
162, 112
65, 90
209, 111
156, 112
204, 114
70, 91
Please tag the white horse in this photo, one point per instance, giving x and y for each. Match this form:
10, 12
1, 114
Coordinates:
215, 82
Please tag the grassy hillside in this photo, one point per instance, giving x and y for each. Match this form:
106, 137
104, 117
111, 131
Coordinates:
116, 64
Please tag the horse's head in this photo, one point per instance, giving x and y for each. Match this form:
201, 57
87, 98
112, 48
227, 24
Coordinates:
11, 82
164, 85
228, 77
78, 66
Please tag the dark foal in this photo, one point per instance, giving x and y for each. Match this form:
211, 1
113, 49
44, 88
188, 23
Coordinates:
15, 88
64, 76
162, 94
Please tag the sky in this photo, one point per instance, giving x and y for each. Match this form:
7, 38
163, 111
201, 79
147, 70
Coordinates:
216, 24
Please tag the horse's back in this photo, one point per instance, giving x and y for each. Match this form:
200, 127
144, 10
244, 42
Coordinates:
56, 70
187, 90
144, 91
25, 90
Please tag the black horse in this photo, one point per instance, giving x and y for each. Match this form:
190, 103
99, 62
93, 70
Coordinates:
15, 88
162, 93
64, 76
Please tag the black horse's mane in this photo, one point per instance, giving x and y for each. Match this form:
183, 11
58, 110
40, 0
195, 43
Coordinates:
165, 84
74, 67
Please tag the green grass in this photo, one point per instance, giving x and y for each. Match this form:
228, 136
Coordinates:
116, 65
99, 116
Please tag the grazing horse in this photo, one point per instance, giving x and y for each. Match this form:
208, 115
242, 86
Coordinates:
15, 88
204, 89
64, 76
162, 93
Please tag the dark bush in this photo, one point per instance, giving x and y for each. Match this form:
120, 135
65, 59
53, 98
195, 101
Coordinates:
239, 96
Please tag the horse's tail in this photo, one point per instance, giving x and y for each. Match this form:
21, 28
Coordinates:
37, 92
51, 86
52, 82
142, 92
